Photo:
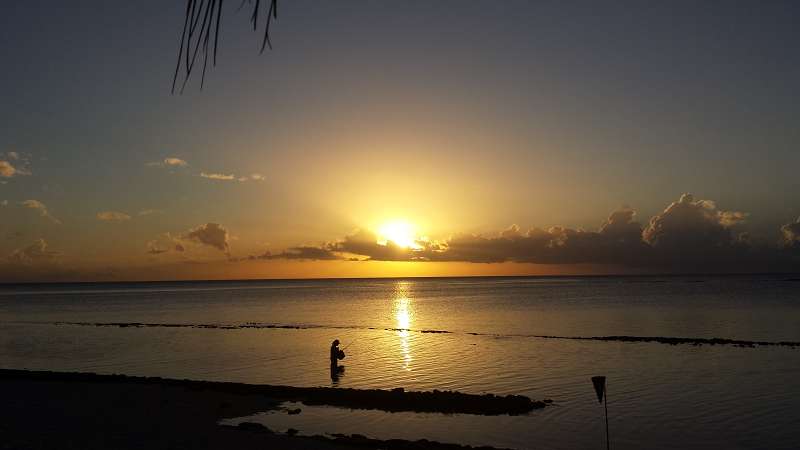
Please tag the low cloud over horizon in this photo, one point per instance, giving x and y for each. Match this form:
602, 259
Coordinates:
211, 235
691, 235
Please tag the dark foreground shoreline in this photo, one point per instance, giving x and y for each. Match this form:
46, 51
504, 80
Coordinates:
55, 410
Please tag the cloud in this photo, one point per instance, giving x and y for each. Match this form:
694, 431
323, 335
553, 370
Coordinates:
731, 218
689, 235
617, 238
217, 176
6, 169
301, 252
33, 253
164, 244
112, 216
169, 162
147, 212
791, 234
4, 203
617, 241
365, 243
689, 224
175, 162
154, 249
172, 162
232, 177
39, 206
252, 177
210, 234
9, 169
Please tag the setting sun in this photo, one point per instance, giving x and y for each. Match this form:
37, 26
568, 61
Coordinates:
401, 233
452, 224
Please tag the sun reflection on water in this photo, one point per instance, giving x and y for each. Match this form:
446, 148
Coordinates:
404, 315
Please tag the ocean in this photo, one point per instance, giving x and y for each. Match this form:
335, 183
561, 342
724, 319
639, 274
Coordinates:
512, 335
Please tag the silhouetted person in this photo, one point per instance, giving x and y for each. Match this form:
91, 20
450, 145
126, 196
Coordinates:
336, 353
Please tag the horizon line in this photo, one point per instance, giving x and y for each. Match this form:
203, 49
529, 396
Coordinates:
424, 277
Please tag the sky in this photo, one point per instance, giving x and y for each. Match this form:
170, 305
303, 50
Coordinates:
400, 139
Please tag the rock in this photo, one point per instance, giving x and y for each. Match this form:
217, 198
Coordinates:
292, 412
292, 432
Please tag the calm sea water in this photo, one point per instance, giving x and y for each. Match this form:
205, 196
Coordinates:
660, 396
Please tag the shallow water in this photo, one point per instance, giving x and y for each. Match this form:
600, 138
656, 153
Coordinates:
660, 396
327, 421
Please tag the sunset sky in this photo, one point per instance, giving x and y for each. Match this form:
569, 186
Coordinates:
400, 138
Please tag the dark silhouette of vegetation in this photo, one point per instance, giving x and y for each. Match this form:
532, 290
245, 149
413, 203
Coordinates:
202, 22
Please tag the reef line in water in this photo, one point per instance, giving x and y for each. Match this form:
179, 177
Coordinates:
669, 340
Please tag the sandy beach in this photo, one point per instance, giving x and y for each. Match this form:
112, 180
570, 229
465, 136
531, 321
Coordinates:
53, 410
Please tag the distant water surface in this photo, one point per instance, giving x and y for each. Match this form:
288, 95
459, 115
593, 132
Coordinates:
466, 334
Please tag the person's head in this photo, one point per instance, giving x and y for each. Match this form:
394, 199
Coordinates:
335, 343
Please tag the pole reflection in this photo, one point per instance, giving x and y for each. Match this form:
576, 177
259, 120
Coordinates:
404, 316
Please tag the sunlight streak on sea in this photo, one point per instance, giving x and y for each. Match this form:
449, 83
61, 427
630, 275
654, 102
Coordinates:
470, 335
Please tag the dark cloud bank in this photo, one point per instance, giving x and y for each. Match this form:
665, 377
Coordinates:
689, 235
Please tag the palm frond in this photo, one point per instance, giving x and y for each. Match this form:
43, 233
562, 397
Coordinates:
202, 20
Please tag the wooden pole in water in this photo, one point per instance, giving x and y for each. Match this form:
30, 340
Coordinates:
605, 403
601, 390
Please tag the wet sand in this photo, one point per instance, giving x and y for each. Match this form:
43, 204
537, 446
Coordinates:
54, 410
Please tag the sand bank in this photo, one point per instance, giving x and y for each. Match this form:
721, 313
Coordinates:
47, 410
